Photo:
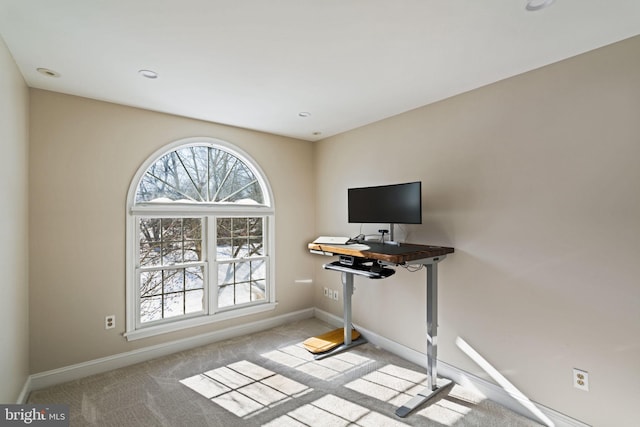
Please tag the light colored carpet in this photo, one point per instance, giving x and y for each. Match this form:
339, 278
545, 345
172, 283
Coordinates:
269, 379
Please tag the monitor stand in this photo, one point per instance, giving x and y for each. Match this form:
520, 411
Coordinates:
392, 240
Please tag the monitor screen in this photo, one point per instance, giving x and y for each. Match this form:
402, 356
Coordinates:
393, 204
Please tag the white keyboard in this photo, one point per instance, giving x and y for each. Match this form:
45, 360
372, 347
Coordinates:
331, 240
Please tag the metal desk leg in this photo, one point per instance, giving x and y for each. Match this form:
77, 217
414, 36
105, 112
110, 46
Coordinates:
347, 293
433, 384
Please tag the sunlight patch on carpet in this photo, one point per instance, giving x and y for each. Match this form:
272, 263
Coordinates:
391, 384
445, 412
297, 357
331, 410
244, 388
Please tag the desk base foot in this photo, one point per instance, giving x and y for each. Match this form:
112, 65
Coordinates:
422, 397
342, 347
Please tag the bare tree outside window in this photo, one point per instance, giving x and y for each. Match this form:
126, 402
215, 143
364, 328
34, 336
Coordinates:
199, 174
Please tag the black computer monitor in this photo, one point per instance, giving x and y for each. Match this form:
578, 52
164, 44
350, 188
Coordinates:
393, 204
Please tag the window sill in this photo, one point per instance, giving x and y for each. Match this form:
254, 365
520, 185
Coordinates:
196, 321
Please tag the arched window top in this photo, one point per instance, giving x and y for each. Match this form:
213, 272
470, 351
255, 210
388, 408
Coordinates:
201, 171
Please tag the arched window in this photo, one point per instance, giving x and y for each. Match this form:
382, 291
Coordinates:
199, 238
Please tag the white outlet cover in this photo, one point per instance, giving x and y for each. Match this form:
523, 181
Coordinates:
110, 322
581, 379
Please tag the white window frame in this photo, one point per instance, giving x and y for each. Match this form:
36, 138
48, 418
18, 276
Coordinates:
209, 212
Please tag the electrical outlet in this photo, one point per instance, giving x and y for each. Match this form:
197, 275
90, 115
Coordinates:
110, 321
336, 295
326, 292
581, 379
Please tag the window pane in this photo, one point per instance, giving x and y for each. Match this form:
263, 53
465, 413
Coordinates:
258, 290
221, 164
255, 226
256, 246
226, 295
243, 272
224, 248
223, 231
173, 280
194, 278
239, 226
192, 228
150, 254
193, 171
173, 305
225, 274
150, 283
181, 180
150, 309
224, 227
241, 247
192, 251
150, 229
243, 294
258, 270
194, 301
171, 229
240, 185
239, 235
171, 253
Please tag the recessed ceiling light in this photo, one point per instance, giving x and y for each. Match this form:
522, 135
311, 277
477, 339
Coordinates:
47, 72
533, 5
304, 114
148, 74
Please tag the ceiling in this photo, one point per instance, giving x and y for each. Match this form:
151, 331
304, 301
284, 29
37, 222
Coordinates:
257, 64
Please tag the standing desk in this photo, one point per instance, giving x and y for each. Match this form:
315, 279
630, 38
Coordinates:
405, 254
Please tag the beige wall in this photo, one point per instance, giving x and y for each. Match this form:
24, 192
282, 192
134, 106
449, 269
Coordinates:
83, 156
534, 180
14, 286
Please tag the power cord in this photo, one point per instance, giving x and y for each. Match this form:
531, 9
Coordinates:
413, 267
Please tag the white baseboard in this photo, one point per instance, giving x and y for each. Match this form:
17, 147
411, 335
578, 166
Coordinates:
493, 392
104, 364
24, 393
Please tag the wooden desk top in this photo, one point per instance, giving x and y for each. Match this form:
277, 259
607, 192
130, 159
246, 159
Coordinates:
389, 253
